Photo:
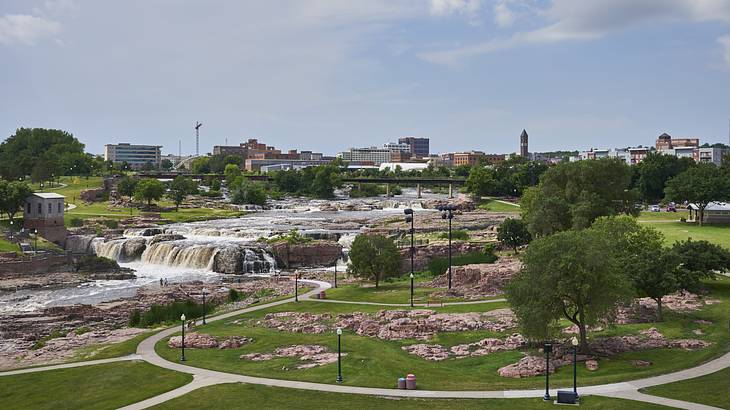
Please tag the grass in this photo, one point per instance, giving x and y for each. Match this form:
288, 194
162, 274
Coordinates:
7, 246
705, 390
388, 292
110, 350
492, 205
663, 216
680, 231
373, 362
236, 396
105, 386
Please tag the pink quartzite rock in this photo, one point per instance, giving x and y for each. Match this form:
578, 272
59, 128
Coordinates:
310, 355
233, 342
592, 365
193, 341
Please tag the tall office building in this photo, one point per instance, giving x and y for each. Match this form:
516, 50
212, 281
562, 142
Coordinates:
419, 146
524, 151
135, 155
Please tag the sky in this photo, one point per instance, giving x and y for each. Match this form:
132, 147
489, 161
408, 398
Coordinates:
326, 75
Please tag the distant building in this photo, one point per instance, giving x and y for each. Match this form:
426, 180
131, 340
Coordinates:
468, 158
372, 154
524, 149
276, 164
256, 155
405, 166
715, 213
665, 142
134, 155
714, 155
44, 213
419, 146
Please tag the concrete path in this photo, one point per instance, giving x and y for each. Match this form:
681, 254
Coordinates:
204, 377
351, 302
70, 365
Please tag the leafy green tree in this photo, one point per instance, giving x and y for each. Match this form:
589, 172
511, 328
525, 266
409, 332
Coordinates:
700, 185
200, 165
12, 197
21, 152
166, 164
149, 190
569, 275
513, 233
75, 163
655, 170
571, 195
127, 186
481, 182
180, 188
463, 170
215, 184
244, 191
325, 181
231, 172
148, 166
42, 171
640, 251
695, 261
374, 257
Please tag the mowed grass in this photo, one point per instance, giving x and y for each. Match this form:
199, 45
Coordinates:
663, 216
104, 386
372, 362
236, 396
680, 231
106, 351
492, 205
712, 389
389, 292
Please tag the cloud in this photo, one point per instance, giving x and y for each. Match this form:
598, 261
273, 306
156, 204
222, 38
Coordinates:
448, 7
503, 15
584, 20
725, 44
26, 29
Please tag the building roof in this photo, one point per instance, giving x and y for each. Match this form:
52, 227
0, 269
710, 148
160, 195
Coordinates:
665, 136
712, 206
524, 133
48, 195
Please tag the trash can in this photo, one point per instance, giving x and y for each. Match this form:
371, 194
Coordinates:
402, 383
410, 382
322, 295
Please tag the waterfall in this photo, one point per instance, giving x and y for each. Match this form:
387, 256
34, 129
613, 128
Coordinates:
80, 244
111, 249
180, 254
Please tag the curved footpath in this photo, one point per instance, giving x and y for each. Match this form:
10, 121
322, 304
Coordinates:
203, 377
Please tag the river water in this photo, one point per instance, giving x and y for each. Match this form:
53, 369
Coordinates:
212, 248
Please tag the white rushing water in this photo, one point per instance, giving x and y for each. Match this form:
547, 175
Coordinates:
208, 248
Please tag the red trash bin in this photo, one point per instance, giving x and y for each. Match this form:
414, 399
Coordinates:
410, 382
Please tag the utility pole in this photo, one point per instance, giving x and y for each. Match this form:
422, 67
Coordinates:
197, 138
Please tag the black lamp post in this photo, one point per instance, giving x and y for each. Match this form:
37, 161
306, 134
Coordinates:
296, 287
574, 342
409, 218
447, 212
182, 355
35, 240
547, 348
204, 292
335, 274
339, 355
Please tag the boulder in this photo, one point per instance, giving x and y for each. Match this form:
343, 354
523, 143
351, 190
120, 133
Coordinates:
166, 237
592, 365
641, 363
193, 341
478, 280
233, 342
315, 253
425, 254
132, 249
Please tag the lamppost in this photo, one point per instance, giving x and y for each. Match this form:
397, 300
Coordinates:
547, 348
35, 240
447, 212
204, 292
335, 274
182, 320
339, 355
409, 218
296, 287
574, 342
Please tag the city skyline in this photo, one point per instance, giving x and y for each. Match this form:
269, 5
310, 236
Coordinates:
324, 76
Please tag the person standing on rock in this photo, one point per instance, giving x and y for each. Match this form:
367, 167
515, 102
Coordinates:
161, 284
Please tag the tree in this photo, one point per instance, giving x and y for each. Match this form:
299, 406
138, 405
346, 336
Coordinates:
513, 233
127, 186
325, 181
374, 257
200, 165
148, 166
699, 185
568, 275
244, 191
697, 260
166, 164
21, 152
12, 197
181, 187
655, 170
149, 190
231, 172
640, 251
481, 182
571, 195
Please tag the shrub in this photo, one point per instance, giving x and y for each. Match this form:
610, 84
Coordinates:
233, 295
169, 313
110, 223
76, 222
458, 234
135, 318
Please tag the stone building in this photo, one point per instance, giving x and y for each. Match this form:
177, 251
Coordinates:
44, 212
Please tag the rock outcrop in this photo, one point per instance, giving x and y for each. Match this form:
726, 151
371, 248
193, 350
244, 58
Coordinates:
479, 280
480, 348
204, 341
310, 355
310, 254
425, 254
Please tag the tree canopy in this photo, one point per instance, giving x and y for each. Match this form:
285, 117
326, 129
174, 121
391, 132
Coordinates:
513, 233
180, 188
653, 172
149, 190
374, 257
571, 195
700, 185
45, 151
12, 197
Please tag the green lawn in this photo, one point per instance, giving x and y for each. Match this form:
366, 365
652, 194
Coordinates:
104, 386
712, 389
663, 216
679, 231
492, 205
106, 351
236, 396
388, 292
377, 363
7, 246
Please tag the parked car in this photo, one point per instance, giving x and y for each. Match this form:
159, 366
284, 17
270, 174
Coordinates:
671, 207
655, 208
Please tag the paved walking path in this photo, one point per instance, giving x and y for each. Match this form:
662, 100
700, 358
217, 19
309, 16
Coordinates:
204, 377
70, 365
354, 302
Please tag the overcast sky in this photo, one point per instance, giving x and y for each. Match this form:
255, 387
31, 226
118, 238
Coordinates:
328, 74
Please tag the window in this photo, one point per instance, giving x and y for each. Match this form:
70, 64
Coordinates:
40, 209
28, 208
50, 208
59, 208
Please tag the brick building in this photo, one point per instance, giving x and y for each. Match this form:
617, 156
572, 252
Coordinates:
44, 212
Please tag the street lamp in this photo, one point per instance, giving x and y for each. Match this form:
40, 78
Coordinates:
204, 292
339, 355
409, 218
547, 348
574, 342
335, 274
182, 320
35, 240
447, 212
296, 287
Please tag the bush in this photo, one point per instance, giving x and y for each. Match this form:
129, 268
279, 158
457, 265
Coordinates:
169, 313
110, 223
135, 318
233, 295
366, 190
92, 263
438, 266
455, 235
76, 222
210, 194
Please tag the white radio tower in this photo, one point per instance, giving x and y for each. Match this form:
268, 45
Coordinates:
197, 138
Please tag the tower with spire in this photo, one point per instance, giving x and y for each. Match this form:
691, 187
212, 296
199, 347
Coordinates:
524, 151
